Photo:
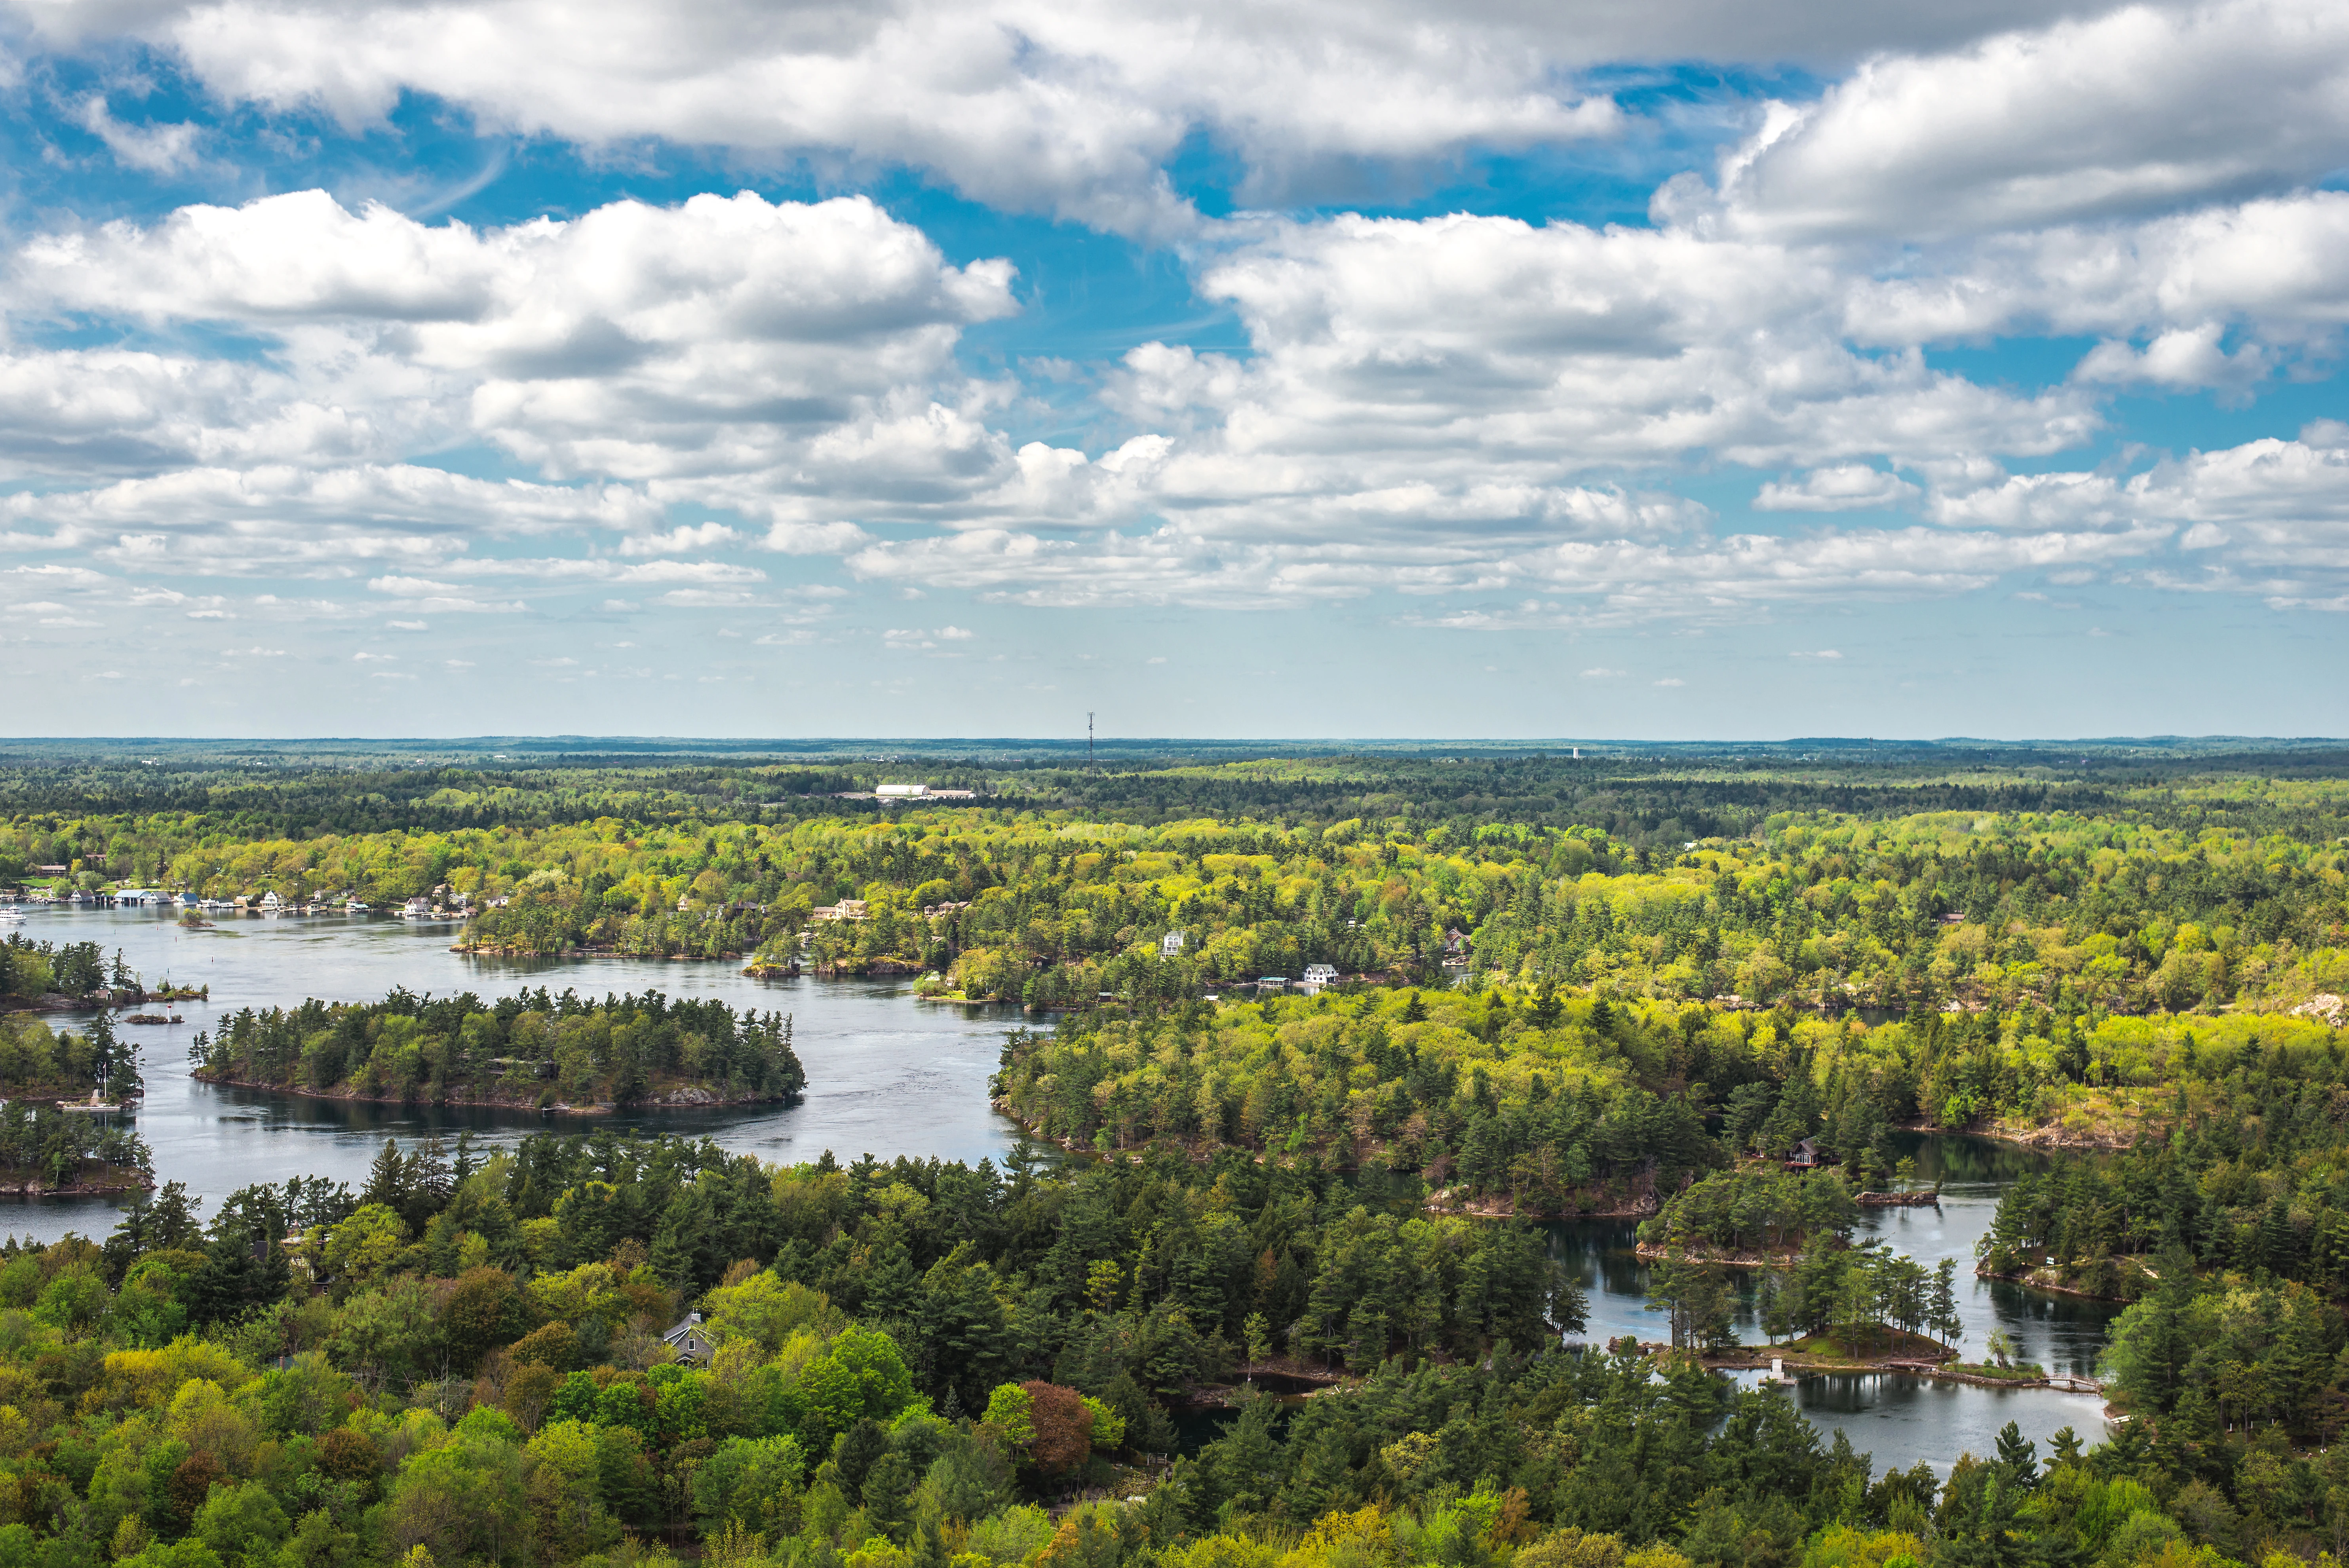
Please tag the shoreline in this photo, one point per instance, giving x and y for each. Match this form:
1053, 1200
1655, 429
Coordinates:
2028, 1283
95, 1002
110, 1187
494, 950
707, 1100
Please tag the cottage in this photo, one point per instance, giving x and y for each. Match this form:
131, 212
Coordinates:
1170, 944
416, 909
270, 902
846, 908
1317, 976
692, 1346
1805, 1156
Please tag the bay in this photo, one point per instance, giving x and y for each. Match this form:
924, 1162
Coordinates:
889, 1074
1901, 1418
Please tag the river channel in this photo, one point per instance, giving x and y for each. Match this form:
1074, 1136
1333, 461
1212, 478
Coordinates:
889, 1074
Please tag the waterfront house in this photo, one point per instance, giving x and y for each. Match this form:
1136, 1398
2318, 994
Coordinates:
846, 908
1317, 976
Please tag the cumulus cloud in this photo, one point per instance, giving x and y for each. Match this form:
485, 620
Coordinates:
718, 336
2048, 125
1070, 109
2278, 508
1846, 486
1493, 413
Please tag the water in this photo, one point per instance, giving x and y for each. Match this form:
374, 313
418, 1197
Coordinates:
887, 1074
891, 1075
1901, 1420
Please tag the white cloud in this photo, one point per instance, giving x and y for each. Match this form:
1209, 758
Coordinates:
156, 148
683, 537
1066, 108
1847, 486
2273, 515
2145, 108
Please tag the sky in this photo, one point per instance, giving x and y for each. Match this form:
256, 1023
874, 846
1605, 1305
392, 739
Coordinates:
1695, 370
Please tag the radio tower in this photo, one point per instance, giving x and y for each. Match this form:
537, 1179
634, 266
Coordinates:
1089, 740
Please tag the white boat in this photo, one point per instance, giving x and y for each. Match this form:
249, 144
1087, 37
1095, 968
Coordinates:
11, 916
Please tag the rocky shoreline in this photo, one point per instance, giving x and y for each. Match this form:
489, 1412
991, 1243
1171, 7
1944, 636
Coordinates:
689, 1097
95, 1002
115, 1185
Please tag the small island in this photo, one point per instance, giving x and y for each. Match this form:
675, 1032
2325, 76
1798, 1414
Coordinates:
1828, 1305
64, 1130
72, 977
536, 1051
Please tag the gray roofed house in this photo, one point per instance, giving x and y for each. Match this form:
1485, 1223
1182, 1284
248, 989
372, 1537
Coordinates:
692, 1346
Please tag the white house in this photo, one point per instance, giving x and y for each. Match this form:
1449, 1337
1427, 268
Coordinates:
1316, 976
1170, 944
846, 908
270, 902
416, 909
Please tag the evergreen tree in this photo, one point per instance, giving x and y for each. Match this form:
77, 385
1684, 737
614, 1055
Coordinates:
387, 1179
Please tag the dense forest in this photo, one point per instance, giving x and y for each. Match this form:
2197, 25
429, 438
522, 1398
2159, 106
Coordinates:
2200, 894
30, 970
525, 1050
1585, 1105
1634, 985
915, 1363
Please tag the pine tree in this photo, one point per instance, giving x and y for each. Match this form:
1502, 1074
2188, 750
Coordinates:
387, 1178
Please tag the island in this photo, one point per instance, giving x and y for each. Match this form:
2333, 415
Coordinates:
535, 1051
65, 1129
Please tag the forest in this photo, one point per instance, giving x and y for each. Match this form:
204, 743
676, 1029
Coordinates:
1270, 1286
909, 1363
2190, 895
536, 1050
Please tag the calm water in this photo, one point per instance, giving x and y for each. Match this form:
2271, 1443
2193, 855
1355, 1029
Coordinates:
887, 1074
1901, 1420
891, 1075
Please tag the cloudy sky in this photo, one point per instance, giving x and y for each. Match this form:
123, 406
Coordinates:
1497, 368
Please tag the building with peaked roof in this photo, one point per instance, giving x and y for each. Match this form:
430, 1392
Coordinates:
692, 1346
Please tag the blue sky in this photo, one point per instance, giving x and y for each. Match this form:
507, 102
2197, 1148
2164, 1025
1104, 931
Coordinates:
1678, 372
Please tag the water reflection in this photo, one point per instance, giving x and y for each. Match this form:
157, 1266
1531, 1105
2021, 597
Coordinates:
887, 1074
1886, 1412
894, 1076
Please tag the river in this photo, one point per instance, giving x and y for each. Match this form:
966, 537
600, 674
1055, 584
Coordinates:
888, 1075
